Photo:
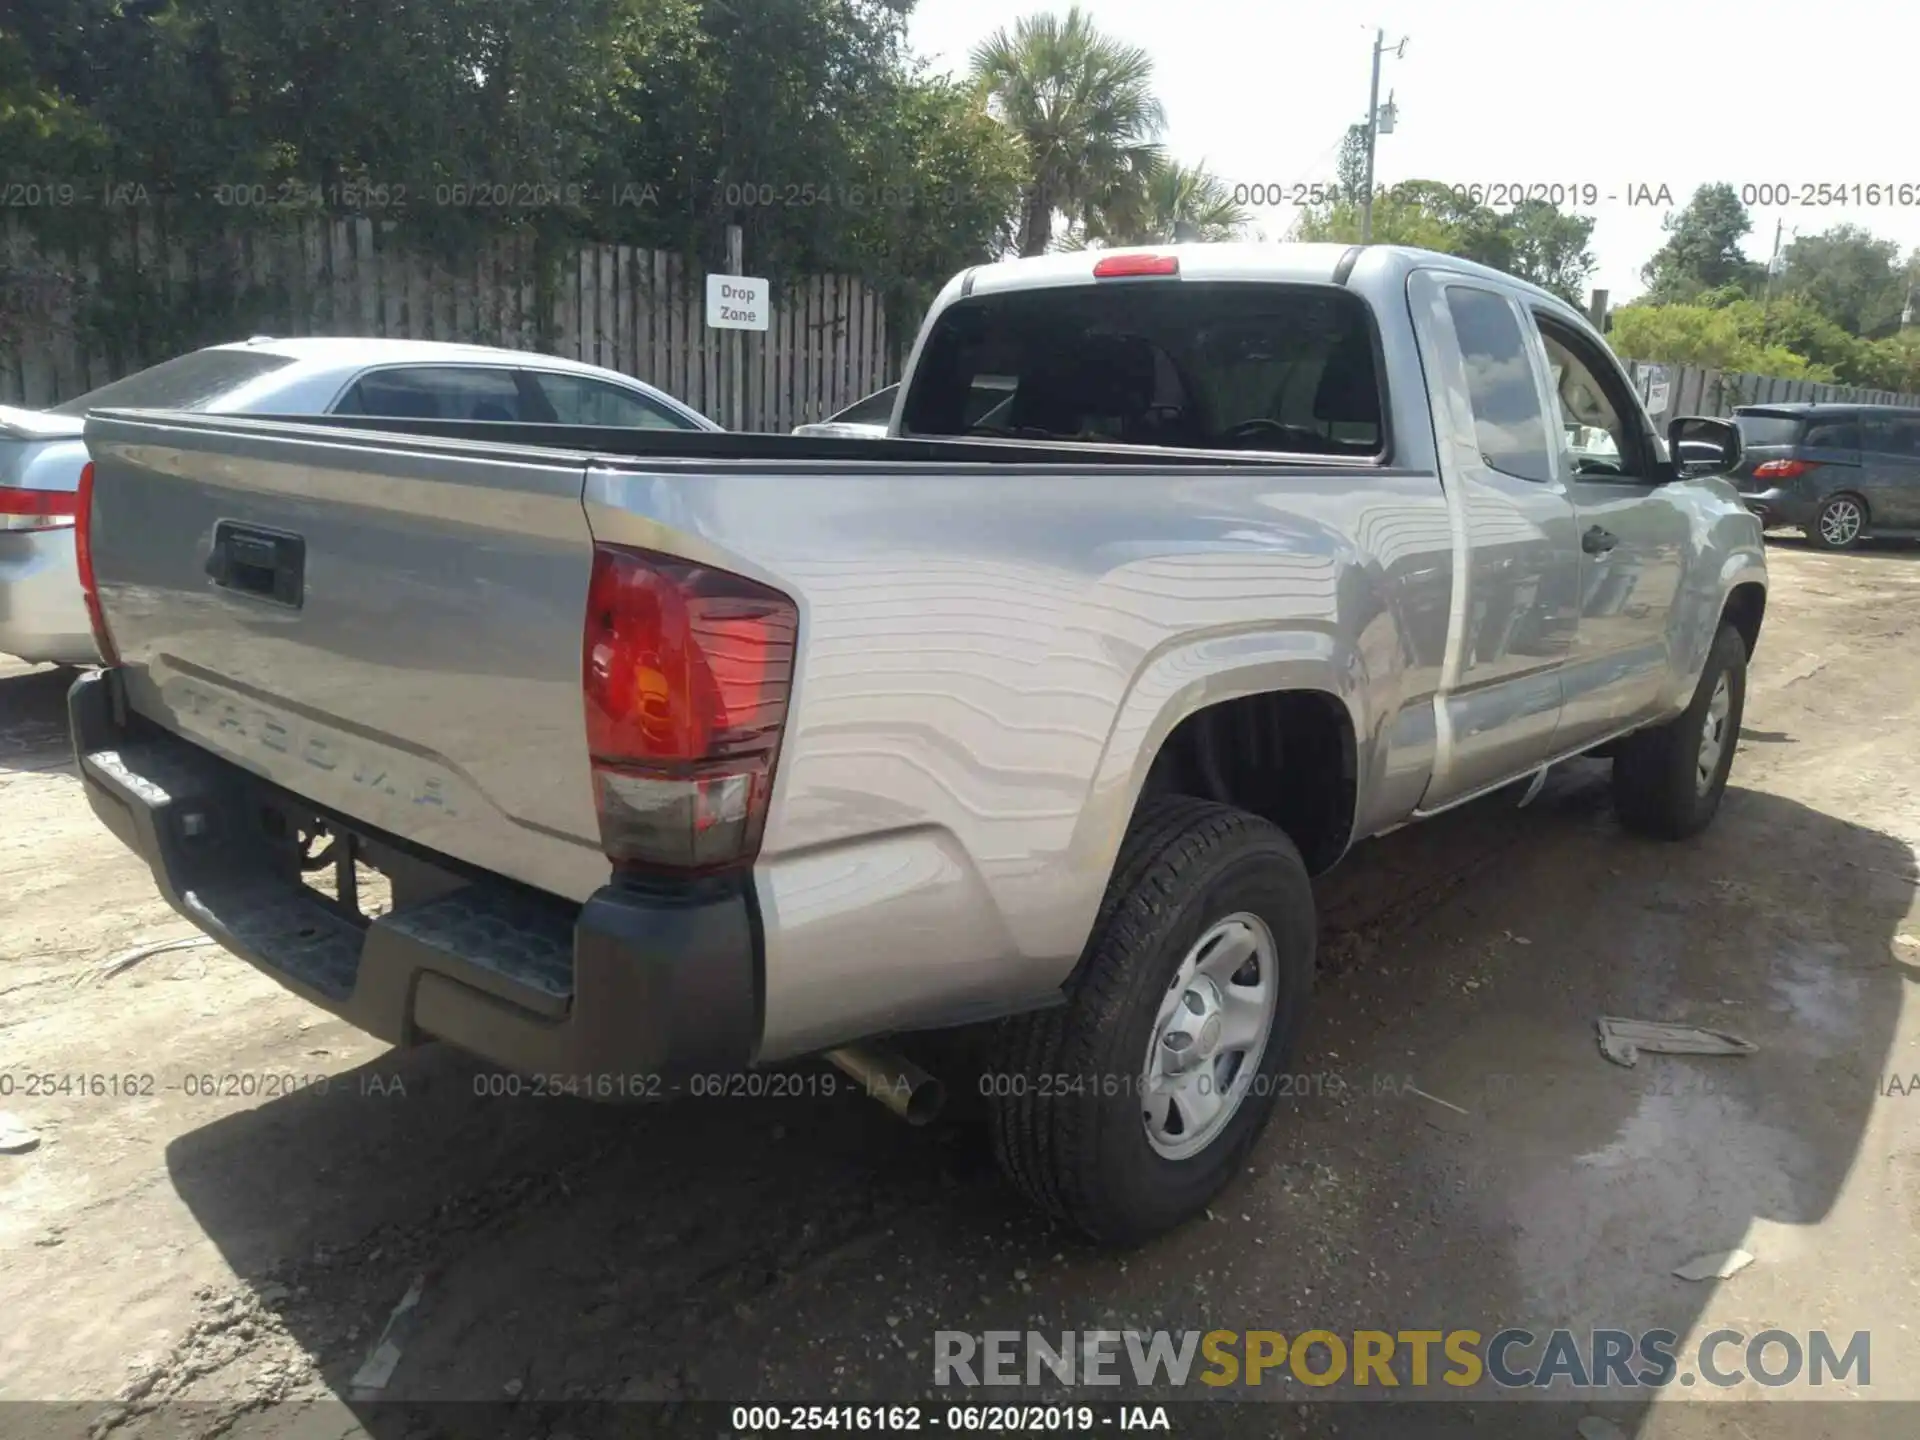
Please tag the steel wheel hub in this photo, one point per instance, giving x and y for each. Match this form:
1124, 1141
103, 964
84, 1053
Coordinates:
1209, 1036
1713, 734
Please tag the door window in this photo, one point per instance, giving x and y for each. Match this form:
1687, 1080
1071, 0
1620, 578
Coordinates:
435, 392
1897, 436
1831, 432
581, 400
1599, 435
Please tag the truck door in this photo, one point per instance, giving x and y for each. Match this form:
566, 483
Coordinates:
1516, 552
1635, 536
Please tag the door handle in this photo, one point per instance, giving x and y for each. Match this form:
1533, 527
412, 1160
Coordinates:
1598, 541
263, 563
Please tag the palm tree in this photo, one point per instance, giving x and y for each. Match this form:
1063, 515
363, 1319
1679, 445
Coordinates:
1083, 105
1178, 202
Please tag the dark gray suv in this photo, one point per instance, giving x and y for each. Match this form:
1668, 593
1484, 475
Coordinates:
1837, 472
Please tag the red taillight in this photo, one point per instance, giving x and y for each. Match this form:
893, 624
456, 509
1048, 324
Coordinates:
1113, 267
685, 672
23, 509
1784, 469
83, 556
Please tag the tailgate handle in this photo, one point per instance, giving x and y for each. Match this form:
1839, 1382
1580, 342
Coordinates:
268, 564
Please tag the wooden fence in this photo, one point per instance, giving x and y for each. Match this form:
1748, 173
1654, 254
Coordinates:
641, 312
1696, 390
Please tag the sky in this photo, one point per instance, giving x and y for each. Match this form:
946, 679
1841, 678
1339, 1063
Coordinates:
1624, 97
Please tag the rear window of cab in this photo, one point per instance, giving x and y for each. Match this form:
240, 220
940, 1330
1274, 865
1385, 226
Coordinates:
1196, 365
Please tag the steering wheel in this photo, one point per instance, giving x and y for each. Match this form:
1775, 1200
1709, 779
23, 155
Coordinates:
1290, 436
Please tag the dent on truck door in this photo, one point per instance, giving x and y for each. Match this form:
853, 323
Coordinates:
1634, 534
1515, 598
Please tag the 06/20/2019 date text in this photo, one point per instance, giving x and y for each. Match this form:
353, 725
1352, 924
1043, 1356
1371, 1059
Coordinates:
963, 1419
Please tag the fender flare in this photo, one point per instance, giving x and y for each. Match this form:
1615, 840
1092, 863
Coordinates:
1178, 681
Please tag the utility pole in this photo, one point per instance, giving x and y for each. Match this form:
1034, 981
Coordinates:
1373, 128
1773, 264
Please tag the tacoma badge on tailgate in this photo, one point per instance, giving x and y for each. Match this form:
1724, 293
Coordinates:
243, 727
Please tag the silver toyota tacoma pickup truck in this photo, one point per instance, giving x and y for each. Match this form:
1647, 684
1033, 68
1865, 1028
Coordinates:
689, 754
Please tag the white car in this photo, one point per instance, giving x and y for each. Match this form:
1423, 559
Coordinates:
42, 615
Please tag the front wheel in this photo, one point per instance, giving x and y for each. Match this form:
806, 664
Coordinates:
1128, 1109
1839, 523
1667, 782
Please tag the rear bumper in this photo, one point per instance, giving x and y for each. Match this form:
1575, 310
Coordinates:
1779, 507
43, 616
620, 998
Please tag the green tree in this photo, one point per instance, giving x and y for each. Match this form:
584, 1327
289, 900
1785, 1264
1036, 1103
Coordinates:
1178, 202
1350, 170
1786, 335
1551, 248
1794, 322
947, 182
1705, 335
645, 122
1083, 106
1892, 363
1702, 251
1534, 241
1854, 279
1400, 217
45, 135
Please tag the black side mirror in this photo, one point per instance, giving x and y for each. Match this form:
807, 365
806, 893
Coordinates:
1701, 445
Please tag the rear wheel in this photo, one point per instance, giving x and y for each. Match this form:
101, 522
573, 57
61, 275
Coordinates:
1126, 1110
1667, 782
1839, 523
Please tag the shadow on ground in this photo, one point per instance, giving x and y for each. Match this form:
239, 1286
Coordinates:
1890, 548
33, 719
808, 1248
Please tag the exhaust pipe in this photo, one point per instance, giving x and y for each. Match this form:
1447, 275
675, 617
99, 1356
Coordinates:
895, 1081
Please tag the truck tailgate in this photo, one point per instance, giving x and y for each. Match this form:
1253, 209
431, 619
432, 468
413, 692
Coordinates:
388, 628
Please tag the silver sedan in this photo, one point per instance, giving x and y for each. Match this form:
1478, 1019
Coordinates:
43, 616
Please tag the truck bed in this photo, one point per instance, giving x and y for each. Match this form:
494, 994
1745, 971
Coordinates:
728, 447
983, 628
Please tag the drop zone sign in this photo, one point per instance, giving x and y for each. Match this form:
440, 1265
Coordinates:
737, 302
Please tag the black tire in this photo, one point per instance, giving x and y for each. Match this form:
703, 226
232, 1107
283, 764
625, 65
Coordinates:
1065, 1109
1656, 786
1841, 537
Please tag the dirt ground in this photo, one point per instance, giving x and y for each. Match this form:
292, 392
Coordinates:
1466, 1158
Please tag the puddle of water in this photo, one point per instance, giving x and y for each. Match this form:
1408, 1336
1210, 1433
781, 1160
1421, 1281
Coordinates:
1810, 978
1597, 1234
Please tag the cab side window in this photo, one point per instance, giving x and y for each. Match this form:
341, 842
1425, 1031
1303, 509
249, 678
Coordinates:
1500, 387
